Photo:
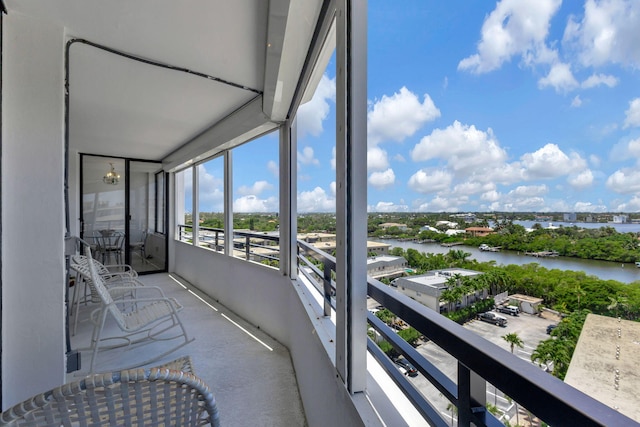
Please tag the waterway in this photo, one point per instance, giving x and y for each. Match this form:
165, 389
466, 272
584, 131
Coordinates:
625, 273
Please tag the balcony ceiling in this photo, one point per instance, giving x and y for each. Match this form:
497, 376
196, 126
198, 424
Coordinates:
126, 108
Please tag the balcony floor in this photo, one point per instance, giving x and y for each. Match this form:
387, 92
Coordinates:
250, 374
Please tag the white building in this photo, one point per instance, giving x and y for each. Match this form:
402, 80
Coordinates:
427, 288
388, 266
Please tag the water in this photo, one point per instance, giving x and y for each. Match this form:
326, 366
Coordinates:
625, 273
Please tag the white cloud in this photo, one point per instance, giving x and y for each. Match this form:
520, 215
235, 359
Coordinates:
576, 102
560, 78
551, 162
599, 79
529, 191
333, 158
633, 205
443, 204
588, 207
595, 160
306, 157
582, 180
634, 148
396, 117
624, 181
311, 114
426, 182
273, 168
464, 147
473, 187
256, 189
252, 203
316, 200
399, 158
211, 190
388, 207
377, 159
515, 27
491, 196
607, 33
381, 180
632, 118
332, 188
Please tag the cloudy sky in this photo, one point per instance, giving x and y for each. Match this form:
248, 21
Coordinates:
519, 105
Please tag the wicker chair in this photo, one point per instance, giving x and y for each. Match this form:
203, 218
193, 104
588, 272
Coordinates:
140, 319
137, 397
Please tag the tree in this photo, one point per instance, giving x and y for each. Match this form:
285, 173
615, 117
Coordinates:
618, 302
514, 340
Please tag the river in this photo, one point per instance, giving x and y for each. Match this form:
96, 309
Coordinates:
625, 273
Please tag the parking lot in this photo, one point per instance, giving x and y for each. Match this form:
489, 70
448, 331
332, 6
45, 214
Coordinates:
530, 328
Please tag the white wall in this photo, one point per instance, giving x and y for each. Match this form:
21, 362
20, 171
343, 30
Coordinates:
33, 275
269, 300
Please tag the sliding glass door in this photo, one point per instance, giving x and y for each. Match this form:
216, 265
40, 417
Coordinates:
123, 211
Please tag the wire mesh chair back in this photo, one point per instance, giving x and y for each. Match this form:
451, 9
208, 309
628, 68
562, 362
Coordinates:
136, 397
102, 292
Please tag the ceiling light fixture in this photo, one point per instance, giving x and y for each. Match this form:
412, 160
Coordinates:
112, 177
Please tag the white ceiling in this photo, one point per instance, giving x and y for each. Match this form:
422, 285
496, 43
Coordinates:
126, 108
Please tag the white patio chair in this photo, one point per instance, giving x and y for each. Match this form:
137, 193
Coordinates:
137, 397
140, 319
120, 275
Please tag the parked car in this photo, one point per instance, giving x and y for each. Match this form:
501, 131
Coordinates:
407, 367
550, 329
494, 318
509, 309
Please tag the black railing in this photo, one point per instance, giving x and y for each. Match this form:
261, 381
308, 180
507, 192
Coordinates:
540, 393
249, 246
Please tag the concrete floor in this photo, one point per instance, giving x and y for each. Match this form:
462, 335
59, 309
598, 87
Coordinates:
250, 374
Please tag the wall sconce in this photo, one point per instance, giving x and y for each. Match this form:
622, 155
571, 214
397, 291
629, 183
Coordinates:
111, 177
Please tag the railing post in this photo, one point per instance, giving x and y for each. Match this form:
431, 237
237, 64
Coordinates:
327, 288
471, 396
247, 247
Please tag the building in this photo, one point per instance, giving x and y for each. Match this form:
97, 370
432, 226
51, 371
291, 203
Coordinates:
569, 217
479, 231
526, 303
387, 225
605, 363
427, 288
128, 100
620, 219
386, 266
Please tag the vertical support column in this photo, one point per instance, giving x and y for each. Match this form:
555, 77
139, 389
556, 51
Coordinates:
351, 198
471, 394
195, 208
228, 203
288, 199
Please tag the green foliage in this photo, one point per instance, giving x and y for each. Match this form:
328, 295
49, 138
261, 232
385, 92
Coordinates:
470, 312
559, 349
410, 335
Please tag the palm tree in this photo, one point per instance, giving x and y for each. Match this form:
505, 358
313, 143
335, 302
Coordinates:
514, 340
579, 293
618, 302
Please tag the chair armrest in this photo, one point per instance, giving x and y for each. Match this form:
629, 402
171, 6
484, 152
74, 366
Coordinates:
175, 305
121, 268
139, 287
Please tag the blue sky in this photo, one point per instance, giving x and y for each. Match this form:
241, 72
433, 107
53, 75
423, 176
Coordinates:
515, 105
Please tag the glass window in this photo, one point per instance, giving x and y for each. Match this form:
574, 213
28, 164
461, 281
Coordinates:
255, 200
184, 204
211, 203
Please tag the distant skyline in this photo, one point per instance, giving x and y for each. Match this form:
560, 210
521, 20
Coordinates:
519, 105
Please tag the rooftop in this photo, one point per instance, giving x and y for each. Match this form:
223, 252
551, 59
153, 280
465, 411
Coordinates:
605, 363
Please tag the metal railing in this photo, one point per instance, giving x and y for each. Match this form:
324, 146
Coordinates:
250, 246
478, 360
